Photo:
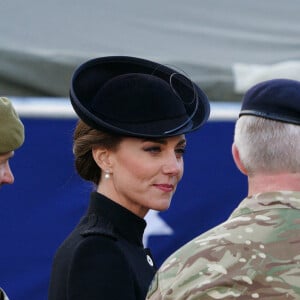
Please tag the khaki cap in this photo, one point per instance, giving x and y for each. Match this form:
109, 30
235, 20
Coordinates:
11, 127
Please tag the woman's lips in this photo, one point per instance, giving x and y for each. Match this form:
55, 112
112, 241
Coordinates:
165, 187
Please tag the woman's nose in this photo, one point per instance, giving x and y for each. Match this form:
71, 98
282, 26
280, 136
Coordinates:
173, 165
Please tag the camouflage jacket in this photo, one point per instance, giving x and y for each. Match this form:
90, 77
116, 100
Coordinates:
3, 296
255, 254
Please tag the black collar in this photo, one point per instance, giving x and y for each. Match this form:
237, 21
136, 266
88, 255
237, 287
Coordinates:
125, 223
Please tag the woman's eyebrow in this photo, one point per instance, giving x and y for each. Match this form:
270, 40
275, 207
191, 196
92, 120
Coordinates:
164, 141
182, 142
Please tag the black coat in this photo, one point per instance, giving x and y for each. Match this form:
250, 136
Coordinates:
104, 257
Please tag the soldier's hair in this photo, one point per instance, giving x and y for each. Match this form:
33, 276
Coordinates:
267, 146
85, 139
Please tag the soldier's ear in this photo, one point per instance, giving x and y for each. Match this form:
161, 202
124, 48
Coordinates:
237, 159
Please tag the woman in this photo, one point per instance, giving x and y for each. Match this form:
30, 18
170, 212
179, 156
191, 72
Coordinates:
129, 142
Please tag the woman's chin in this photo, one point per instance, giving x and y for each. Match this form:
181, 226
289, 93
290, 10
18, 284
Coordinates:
162, 206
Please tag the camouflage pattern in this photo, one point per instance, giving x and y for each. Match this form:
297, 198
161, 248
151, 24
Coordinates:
255, 254
3, 296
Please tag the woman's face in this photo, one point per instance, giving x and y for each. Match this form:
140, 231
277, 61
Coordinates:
144, 173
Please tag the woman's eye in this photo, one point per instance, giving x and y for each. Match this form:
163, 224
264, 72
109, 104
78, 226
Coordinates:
180, 151
153, 149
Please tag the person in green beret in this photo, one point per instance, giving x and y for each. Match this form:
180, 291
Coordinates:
11, 138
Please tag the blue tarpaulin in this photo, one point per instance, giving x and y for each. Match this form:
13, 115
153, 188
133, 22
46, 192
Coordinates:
48, 197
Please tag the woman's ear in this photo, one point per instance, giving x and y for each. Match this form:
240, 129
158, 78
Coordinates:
237, 159
101, 157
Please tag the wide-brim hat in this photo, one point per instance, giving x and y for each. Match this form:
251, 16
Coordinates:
137, 97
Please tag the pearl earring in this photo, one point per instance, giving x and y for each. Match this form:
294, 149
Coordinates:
107, 175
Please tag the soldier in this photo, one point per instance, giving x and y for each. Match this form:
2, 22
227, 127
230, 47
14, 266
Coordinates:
255, 253
11, 138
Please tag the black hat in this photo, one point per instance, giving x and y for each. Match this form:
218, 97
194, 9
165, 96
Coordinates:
137, 97
276, 99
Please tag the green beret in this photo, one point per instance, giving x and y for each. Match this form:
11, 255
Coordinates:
11, 127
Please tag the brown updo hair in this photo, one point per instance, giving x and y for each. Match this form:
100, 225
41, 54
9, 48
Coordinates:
85, 138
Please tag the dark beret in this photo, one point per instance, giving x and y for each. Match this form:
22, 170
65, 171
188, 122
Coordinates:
11, 127
137, 97
276, 99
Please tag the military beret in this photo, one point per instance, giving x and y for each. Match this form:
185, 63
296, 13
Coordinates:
136, 97
11, 127
276, 99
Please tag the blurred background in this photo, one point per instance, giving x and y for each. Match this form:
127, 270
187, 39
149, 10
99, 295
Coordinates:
226, 46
